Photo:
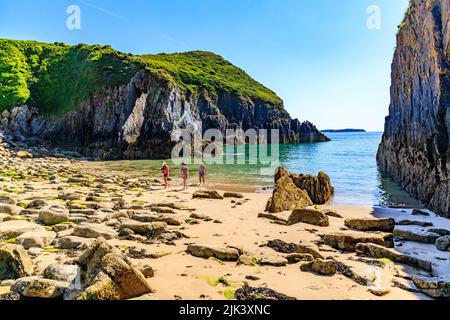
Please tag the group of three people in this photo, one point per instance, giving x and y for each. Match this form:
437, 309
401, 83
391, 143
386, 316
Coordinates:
184, 174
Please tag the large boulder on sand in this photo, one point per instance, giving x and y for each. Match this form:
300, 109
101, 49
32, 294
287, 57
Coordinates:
207, 194
36, 239
286, 196
436, 287
209, 251
14, 262
109, 275
35, 287
320, 266
318, 187
347, 241
14, 228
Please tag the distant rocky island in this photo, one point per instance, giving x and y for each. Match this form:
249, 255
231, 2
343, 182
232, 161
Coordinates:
106, 104
415, 150
342, 130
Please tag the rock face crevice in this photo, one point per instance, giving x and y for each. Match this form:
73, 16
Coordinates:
415, 149
136, 121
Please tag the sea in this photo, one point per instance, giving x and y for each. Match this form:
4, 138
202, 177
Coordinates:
349, 159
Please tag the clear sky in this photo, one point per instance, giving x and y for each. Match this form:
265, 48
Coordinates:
319, 56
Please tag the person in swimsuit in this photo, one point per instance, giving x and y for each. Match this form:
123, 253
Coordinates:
165, 170
202, 173
185, 175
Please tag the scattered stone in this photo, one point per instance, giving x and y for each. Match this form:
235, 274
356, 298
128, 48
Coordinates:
35, 287
10, 209
92, 230
24, 154
247, 260
281, 246
441, 232
379, 292
14, 261
309, 216
144, 217
414, 223
371, 224
37, 204
36, 239
7, 200
52, 215
71, 242
273, 261
443, 243
13, 229
233, 195
253, 294
375, 251
309, 248
416, 235
208, 251
418, 212
299, 257
320, 266
281, 217
10, 296
62, 272
207, 194
142, 228
435, 287
332, 213
252, 278
347, 241
200, 216
148, 271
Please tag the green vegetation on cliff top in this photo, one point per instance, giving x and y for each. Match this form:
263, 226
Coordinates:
56, 78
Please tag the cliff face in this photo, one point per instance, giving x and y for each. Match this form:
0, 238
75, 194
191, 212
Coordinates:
135, 120
415, 150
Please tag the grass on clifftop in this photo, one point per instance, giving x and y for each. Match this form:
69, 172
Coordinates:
56, 78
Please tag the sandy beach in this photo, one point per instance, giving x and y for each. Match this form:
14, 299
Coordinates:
228, 222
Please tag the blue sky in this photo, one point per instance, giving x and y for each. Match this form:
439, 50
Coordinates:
317, 55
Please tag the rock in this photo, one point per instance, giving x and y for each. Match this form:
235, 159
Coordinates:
416, 143
281, 246
109, 274
299, 257
379, 292
10, 209
320, 266
62, 272
71, 242
35, 287
286, 196
347, 241
443, 243
148, 271
416, 235
14, 262
309, 216
280, 217
253, 294
309, 248
375, 251
208, 251
435, 287
52, 215
13, 229
233, 195
142, 228
247, 260
91, 230
145, 217
318, 187
10, 296
24, 154
414, 223
37, 204
7, 200
371, 224
273, 261
36, 239
418, 212
441, 232
332, 213
200, 216
207, 194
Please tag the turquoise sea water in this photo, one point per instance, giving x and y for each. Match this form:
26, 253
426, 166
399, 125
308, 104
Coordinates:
349, 159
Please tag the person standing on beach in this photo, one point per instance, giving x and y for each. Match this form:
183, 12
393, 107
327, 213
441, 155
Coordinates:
202, 173
165, 170
185, 175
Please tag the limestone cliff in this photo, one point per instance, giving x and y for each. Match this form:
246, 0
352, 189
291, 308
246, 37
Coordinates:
109, 105
415, 150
